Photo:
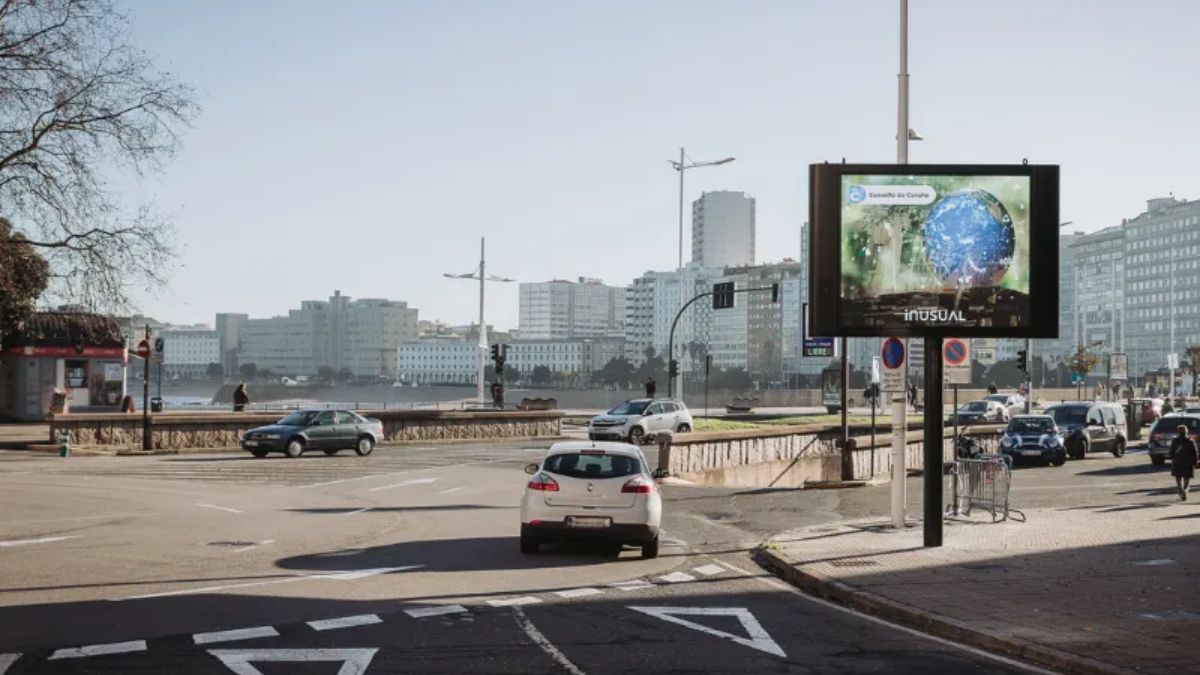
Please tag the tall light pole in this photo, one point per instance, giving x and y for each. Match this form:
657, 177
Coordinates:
481, 353
681, 166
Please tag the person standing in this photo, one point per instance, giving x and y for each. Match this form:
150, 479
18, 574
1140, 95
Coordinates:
241, 398
651, 387
1184, 456
992, 389
498, 394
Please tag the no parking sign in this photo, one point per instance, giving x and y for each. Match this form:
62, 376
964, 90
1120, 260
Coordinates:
892, 354
956, 360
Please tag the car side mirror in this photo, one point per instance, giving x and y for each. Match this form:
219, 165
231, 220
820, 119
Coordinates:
531, 469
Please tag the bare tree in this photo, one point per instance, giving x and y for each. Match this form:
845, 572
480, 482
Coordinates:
78, 106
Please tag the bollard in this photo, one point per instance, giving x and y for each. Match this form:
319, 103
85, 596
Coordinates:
64, 449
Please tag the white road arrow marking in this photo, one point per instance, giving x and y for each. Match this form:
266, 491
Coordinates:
414, 481
6, 661
354, 661
43, 540
759, 639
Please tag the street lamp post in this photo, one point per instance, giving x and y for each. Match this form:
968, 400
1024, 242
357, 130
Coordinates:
481, 352
681, 166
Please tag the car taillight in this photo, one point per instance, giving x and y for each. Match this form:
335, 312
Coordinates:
543, 482
639, 485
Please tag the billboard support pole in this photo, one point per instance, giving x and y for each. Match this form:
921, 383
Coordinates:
1029, 375
847, 460
933, 442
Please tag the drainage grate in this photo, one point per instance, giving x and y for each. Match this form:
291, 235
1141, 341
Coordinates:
854, 563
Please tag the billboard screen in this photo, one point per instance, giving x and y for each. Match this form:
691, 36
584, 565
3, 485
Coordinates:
935, 250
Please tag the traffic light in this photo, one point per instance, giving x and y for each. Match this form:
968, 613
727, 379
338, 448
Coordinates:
495, 352
775, 292
673, 370
723, 295
1023, 360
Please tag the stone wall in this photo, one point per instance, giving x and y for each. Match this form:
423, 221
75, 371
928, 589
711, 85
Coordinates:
174, 431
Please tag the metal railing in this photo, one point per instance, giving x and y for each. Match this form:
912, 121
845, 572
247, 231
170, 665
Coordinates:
983, 482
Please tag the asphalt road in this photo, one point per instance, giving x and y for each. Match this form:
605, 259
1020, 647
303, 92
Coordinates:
407, 561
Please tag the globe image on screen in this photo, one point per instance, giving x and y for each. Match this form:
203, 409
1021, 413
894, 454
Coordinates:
969, 239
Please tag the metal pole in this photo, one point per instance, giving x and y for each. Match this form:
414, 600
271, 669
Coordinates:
679, 279
874, 402
847, 464
902, 82
146, 441
707, 367
1028, 376
934, 440
482, 348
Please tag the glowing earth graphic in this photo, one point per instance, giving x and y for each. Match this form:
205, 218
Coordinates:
969, 238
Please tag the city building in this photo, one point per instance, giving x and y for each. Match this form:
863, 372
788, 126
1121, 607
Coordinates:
189, 351
723, 229
437, 361
229, 340
1098, 282
452, 361
361, 336
565, 309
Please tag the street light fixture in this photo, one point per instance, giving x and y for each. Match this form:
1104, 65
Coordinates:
480, 273
681, 166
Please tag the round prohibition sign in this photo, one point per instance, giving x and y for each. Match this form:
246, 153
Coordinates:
955, 352
893, 353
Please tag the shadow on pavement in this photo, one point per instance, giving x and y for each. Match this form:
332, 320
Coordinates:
1127, 470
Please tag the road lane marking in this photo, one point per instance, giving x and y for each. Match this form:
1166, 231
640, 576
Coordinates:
677, 577
234, 635
579, 592
775, 583
435, 610
362, 510
541, 641
99, 650
758, 637
345, 622
354, 661
43, 540
6, 661
351, 575
254, 546
453, 489
210, 589
405, 483
219, 508
709, 570
405, 473
515, 602
635, 585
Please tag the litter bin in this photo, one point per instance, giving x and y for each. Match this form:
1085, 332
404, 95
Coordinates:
156, 404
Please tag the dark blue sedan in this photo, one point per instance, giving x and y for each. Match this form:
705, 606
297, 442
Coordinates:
325, 430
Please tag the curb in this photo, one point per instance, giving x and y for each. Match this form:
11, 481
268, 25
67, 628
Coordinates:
942, 626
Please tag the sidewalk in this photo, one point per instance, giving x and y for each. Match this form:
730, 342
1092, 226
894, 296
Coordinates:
1111, 589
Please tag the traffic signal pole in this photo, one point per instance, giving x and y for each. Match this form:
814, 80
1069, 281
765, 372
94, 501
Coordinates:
671, 365
147, 442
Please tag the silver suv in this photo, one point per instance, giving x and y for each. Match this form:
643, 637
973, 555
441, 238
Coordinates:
641, 419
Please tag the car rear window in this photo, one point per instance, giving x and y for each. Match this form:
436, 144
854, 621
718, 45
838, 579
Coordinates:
580, 465
1167, 425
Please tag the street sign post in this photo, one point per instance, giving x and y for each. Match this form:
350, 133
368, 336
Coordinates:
892, 358
956, 359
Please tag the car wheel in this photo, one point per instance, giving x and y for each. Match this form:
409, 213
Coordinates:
295, 448
1060, 458
1119, 448
636, 436
683, 428
1158, 461
1082, 449
365, 445
259, 453
331, 452
650, 549
529, 545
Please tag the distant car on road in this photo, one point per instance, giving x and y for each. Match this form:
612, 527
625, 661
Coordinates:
980, 412
1148, 410
1090, 426
1164, 430
641, 419
591, 491
1014, 404
325, 430
1034, 437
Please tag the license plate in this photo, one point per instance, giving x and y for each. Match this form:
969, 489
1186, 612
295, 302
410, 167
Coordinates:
586, 522
251, 443
1031, 453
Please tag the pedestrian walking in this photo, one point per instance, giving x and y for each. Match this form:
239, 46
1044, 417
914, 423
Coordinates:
651, 387
1184, 457
992, 388
127, 405
241, 398
912, 394
498, 394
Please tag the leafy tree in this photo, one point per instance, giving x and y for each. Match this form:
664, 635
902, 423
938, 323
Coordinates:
326, 374
649, 352
345, 375
1083, 361
654, 367
248, 370
23, 277
81, 107
618, 371
540, 375
215, 370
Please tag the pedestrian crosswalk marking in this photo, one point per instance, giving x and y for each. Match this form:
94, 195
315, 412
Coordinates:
232, 635
677, 577
345, 622
435, 610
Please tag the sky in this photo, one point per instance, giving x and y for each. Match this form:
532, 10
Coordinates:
366, 146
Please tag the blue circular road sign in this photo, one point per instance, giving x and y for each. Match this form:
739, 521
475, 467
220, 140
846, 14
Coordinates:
893, 353
955, 351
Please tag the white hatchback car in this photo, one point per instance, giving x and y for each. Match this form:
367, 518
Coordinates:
591, 491
641, 419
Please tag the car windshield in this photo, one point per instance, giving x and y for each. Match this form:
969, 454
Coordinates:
1168, 425
300, 418
587, 465
1031, 425
975, 406
629, 408
1068, 415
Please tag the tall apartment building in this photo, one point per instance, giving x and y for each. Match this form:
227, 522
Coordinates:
361, 335
723, 229
565, 309
229, 339
1098, 280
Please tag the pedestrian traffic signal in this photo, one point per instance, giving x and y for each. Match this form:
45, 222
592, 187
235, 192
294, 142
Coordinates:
775, 292
1023, 360
673, 370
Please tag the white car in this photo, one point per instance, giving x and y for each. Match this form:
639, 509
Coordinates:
1014, 404
641, 419
591, 491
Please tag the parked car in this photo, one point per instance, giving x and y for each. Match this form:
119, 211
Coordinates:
325, 430
596, 491
1013, 403
1148, 410
1165, 429
1090, 426
980, 412
639, 420
1034, 437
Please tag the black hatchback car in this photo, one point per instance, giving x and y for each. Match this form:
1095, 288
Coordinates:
325, 430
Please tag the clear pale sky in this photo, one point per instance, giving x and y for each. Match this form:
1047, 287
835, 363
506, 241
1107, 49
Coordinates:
366, 146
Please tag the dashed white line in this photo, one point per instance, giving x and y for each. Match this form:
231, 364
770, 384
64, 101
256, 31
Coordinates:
345, 622
453, 489
579, 592
43, 540
254, 546
99, 650
435, 610
362, 510
709, 570
219, 508
6, 661
541, 641
515, 602
635, 585
234, 635
677, 578
406, 483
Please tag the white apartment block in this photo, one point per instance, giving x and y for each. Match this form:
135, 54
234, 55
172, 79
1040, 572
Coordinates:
437, 362
560, 309
723, 229
188, 351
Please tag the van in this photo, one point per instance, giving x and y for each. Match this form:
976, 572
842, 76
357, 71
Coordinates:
1091, 426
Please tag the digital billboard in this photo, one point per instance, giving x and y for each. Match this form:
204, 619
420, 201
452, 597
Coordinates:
934, 250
